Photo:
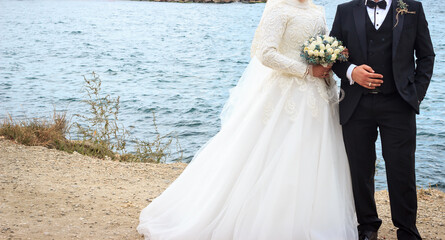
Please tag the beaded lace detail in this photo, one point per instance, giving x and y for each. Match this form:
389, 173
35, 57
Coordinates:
285, 29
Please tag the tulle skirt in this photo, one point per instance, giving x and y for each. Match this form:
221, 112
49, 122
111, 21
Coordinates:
277, 169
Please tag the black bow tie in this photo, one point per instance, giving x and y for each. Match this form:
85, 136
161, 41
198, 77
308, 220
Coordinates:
372, 4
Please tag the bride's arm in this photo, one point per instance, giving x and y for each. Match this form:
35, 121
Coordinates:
274, 25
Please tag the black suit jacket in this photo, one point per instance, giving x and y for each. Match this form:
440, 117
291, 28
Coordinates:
411, 40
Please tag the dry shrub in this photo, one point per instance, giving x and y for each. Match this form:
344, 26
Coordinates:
102, 135
157, 151
100, 126
37, 131
49, 132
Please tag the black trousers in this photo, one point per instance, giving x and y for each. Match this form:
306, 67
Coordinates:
396, 121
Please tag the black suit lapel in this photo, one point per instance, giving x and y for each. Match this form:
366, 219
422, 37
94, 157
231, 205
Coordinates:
397, 31
360, 13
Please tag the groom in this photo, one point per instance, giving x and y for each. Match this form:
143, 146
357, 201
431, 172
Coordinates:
383, 89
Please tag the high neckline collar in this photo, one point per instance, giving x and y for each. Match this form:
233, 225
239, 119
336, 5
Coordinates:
298, 4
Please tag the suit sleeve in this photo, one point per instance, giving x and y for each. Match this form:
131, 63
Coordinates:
424, 55
339, 68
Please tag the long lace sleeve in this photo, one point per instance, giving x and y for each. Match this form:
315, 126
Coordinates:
274, 25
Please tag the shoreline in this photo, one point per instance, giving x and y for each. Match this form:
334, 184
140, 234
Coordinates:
49, 194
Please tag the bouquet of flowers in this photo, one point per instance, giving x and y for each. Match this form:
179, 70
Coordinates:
324, 50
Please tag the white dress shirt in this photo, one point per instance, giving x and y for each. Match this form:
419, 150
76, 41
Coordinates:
378, 15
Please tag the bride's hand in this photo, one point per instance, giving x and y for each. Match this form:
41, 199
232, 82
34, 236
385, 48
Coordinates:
319, 71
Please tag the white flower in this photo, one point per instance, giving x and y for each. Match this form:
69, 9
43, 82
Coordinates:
330, 50
334, 57
335, 44
322, 47
312, 46
328, 46
310, 52
337, 51
316, 52
319, 39
331, 39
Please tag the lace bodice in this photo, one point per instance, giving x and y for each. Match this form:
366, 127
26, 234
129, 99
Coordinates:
286, 27
283, 30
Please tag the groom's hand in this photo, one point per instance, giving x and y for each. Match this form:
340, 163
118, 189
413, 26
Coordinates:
366, 77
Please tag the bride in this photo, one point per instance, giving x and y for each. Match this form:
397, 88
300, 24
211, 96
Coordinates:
277, 169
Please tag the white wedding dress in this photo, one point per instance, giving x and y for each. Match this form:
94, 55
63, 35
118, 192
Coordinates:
277, 170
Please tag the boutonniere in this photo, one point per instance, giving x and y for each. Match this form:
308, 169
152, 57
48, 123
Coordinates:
402, 8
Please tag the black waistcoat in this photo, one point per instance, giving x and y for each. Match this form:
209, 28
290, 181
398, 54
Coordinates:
380, 52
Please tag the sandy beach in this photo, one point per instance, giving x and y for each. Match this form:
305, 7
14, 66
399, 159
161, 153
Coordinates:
49, 194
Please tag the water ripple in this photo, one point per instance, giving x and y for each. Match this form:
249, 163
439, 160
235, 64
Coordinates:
178, 60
